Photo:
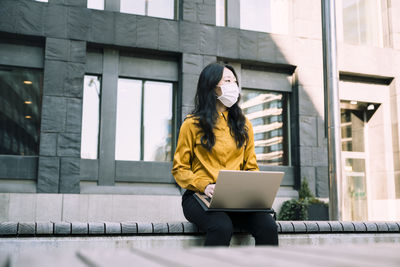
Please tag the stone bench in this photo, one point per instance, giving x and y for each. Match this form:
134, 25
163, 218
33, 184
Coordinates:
59, 229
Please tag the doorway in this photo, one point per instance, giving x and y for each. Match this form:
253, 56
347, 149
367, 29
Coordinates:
354, 137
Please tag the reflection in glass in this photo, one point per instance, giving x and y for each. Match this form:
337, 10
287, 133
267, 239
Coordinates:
356, 190
352, 126
127, 139
157, 121
265, 15
20, 112
137, 7
362, 22
154, 8
90, 117
148, 135
161, 8
220, 12
266, 111
95, 4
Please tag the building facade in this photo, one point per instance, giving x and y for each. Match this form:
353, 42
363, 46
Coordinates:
93, 93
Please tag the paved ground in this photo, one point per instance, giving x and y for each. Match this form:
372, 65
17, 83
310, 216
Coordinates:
339, 255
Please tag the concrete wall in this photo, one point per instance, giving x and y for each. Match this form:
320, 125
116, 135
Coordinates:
92, 206
68, 28
89, 207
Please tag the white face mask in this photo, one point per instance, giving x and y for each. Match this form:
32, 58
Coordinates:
230, 94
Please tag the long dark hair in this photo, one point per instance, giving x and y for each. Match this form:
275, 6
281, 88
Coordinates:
205, 110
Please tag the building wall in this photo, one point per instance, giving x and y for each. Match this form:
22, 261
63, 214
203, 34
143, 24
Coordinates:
67, 28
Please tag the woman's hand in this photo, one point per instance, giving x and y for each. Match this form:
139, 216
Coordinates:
209, 191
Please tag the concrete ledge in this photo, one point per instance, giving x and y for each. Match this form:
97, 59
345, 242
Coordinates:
79, 228
62, 228
393, 226
8, 228
26, 229
113, 228
17, 237
44, 228
96, 228
129, 228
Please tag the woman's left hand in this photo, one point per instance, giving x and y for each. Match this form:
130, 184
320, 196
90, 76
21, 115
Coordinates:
209, 191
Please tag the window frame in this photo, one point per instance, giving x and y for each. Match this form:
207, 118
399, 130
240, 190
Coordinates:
112, 69
225, 9
26, 55
286, 129
173, 120
282, 79
83, 99
115, 6
38, 100
383, 26
232, 17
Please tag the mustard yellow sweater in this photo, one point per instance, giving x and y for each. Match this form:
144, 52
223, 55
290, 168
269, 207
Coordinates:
194, 167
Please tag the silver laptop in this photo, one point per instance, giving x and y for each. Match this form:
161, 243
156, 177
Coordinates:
243, 191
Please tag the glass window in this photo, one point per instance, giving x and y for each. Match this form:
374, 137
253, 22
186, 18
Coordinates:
157, 119
362, 22
155, 8
144, 120
352, 129
220, 12
20, 112
95, 4
128, 131
267, 111
90, 117
265, 15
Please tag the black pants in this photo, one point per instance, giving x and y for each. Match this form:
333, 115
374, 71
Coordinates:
219, 225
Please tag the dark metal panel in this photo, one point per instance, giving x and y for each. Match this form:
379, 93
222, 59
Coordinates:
288, 179
266, 80
108, 117
160, 172
21, 55
144, 171
146, 68
233, 13
18, 167
365, 78
112, 5
94, 62
89, 170
295, 130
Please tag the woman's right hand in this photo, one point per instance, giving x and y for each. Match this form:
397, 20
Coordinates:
209, 190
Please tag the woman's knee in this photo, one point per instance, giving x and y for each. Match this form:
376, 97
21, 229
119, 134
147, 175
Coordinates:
222, 226
264, 225
268, 229
219, 231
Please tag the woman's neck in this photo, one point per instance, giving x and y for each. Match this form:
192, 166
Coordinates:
220, 107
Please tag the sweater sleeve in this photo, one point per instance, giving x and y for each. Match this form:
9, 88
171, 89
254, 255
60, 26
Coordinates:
250, 160
182, 163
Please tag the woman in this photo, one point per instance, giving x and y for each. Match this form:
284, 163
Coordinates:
218, 136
